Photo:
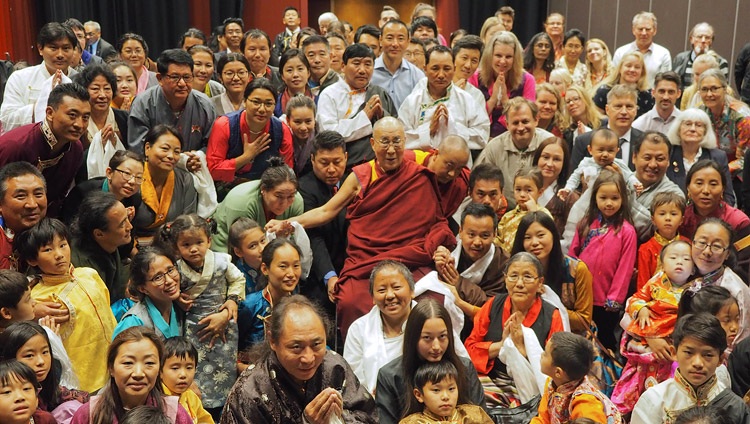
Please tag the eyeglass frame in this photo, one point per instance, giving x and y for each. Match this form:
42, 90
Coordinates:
175, 79
159, 279
513, 279
712, 247
130, 177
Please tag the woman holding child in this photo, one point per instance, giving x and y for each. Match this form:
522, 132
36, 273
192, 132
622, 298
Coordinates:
552, 157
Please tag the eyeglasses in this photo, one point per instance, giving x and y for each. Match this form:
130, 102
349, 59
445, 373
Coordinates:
570, 100
413, 54
526, 278
387, 144
713, 90
160, 278
138, 179
175, 79
232, 74
258, 103
715, 248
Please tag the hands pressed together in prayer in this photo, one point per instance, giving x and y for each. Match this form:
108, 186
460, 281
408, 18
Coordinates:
326, 404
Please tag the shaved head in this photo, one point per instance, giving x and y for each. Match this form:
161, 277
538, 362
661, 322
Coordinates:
450, 159
454, 143
388, 122
387, 141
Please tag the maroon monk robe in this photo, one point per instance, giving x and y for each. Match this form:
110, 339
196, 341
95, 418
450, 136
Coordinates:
398, 216
451, 193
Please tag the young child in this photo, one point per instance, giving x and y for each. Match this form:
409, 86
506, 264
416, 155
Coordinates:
568, 394
212, 288
603, 150
698, 344
86, 335
435, 387
18, 398
717, 301
177, 374
29, 343
605, 240
282, 267
145, 414
246, 242
16, 303
667, 210
654, 312
527, 187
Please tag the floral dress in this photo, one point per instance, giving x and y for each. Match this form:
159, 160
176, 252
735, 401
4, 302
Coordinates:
732, 133
209, 289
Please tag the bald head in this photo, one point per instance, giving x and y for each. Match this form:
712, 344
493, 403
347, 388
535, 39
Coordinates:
388, 139
450, 159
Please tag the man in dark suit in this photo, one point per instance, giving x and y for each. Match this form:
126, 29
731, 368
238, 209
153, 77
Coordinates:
95, 44
327, 241
621, 109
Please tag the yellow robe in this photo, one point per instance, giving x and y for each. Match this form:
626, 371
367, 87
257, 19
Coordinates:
86, 336
192, 404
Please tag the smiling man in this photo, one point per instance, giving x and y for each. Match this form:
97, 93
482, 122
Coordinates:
352, 105
173, 102
666, 91
23, 203
53, 145
394, 212
657, 58
56, 44
394, 74
438, 109
515, 148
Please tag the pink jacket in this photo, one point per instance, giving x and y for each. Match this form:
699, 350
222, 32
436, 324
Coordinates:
611, 260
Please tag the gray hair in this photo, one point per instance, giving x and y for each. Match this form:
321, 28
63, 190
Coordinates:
327, 16
714, 73
525, 257
394, 265
622, 90
94, 24
644, 15
706, 24
697, 115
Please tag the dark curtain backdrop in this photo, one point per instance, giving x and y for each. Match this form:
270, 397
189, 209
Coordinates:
530, 15
160, 22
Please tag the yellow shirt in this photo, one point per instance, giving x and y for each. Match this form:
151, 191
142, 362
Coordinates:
86, 336
192, 404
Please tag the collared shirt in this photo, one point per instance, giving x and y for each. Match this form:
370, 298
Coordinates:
400, 84
466, 118
334, 103
625, 145
22, 90
651, 121
657, 58
501, 152
689, 163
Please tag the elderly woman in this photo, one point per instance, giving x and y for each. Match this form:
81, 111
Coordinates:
711, 251
99, 229
106, 125
134, 50
568, 277
234, 72
155, 282
377, 338
691, 95
552, 157
539, 57
693, 140
501, 77
296, 378
598, 62
501, 320
706, 184
730, 118
573, 43
630, 71
167, 191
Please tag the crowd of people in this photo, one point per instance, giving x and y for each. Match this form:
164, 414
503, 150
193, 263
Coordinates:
376, 225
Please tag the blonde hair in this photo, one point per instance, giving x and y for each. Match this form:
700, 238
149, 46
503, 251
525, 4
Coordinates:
515, 73
420, 7
614, 78
549, 88
606, 57
593, 115
489, 23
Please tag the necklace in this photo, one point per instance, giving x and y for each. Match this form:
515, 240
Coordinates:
255, 132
